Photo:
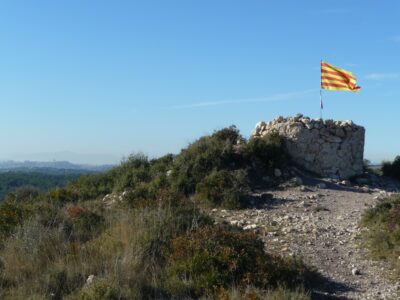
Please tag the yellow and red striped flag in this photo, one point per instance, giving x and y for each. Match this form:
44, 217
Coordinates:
334, 78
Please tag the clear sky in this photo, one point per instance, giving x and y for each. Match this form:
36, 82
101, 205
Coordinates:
93, 81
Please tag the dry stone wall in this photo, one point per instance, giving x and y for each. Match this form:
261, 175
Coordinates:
328, 148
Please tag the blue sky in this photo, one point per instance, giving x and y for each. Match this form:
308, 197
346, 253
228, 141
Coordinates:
93, 81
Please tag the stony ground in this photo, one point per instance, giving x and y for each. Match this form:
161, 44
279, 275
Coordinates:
317, 221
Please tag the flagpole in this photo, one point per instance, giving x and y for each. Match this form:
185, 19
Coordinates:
321, 104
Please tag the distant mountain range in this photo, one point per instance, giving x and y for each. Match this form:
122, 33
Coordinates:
50, 167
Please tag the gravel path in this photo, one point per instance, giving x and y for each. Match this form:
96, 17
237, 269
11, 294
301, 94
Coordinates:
319, 224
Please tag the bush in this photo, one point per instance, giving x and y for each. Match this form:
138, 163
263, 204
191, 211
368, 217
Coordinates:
11, 215
227, 189
383, 236
392, 169
134, 170
92, 186
84, 224
23, 194
217, 167
215, 152
211, 257
63, 195
267, 151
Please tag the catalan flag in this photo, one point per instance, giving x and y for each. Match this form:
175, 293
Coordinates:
334, 78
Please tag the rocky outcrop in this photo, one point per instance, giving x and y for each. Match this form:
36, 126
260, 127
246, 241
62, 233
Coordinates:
328, 148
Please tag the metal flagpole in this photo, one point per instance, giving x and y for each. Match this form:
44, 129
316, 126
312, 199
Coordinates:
321, 105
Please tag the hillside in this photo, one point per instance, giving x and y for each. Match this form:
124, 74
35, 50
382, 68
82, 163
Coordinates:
226, 218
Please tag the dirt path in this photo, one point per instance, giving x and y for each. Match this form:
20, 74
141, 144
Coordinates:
320, 225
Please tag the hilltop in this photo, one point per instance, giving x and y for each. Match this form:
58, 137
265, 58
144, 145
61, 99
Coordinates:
226, 218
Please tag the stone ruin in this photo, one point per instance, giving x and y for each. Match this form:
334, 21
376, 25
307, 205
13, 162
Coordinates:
328, 148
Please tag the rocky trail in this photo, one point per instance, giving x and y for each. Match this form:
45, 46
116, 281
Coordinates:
318, 221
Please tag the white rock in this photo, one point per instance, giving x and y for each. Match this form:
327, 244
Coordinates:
251, 226
90, 279
355, 271
297, 180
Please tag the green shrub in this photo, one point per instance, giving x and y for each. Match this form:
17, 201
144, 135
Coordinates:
266, 151
23, 194
215, 152
225, 150
63, 195
85, 224
227, 189
141, 196
383, 236
92, 186
211, 257
160, 166
135, 169
392, 169
11, 215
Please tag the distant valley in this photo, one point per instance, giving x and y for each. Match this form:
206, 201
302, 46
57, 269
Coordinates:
15, 175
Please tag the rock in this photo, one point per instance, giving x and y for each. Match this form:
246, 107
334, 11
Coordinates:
355, 271
345, 183
321, 185
304, 189
277, 173
250, 226
297, 180
365, 189
90, 279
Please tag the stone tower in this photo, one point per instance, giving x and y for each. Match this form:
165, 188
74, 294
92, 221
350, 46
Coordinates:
328, 148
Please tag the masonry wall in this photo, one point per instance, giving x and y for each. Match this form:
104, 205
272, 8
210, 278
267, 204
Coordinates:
328, 148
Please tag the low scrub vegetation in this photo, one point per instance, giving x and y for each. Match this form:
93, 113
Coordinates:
392, 169
154, 241
383, 236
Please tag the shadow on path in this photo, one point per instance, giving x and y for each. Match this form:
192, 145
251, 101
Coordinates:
325, 289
